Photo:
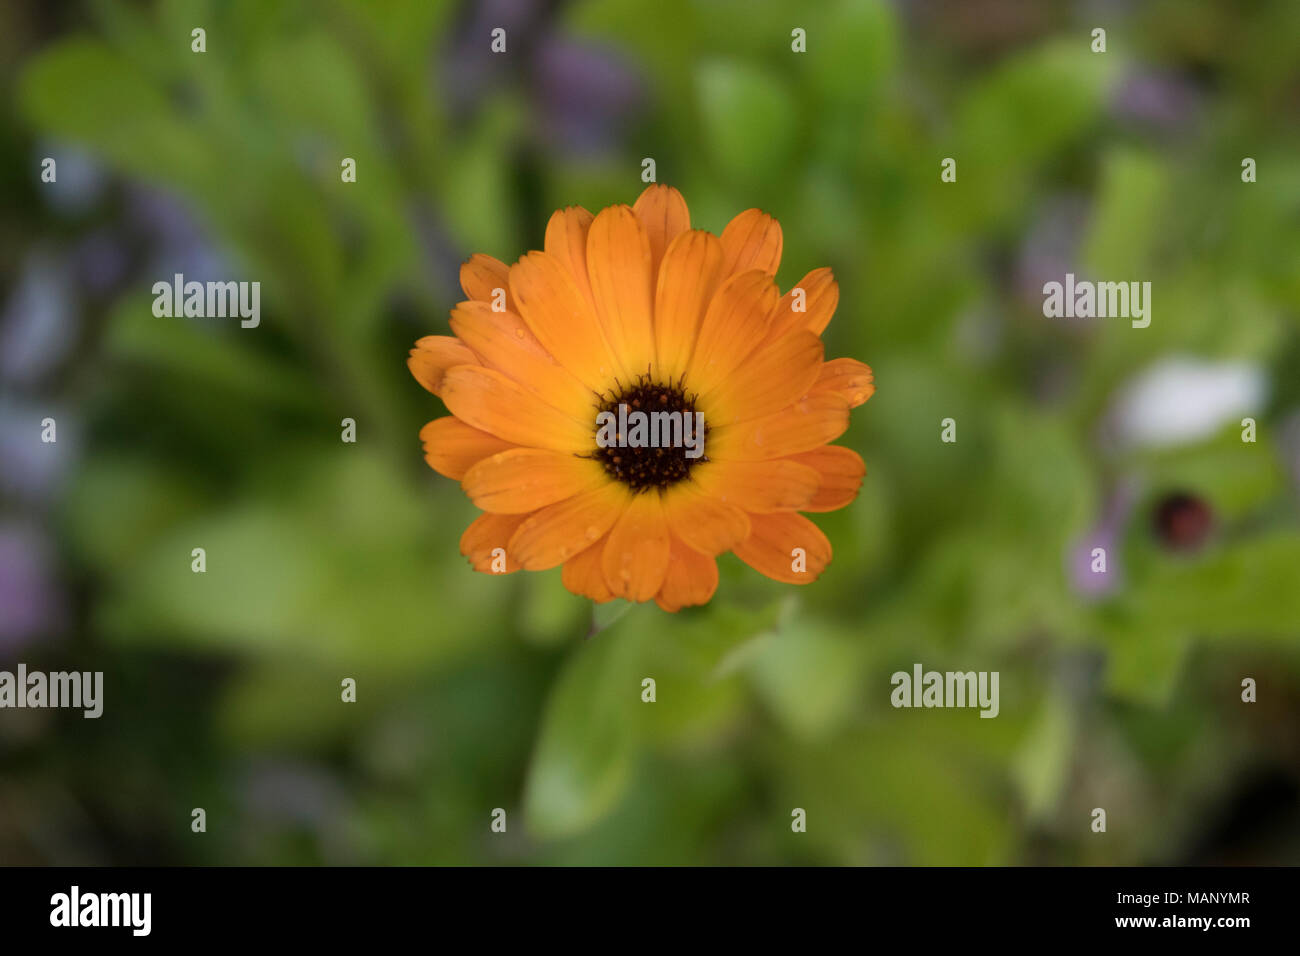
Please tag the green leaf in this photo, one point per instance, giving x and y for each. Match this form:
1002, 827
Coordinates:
749, 119
335, 563
548, 613
1245, 589
604, 615
1042, 763
1145, 661
695, 658
1128, 216
852, 45
1031, 106
82, 91
586, 750
809, 674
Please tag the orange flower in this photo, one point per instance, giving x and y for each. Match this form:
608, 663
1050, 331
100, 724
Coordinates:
632, 308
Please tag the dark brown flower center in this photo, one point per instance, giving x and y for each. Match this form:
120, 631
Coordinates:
1182, 521
649, 434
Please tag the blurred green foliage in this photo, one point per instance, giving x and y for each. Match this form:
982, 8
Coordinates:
328, 560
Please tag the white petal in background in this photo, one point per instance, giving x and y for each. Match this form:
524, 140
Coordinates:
1182, 400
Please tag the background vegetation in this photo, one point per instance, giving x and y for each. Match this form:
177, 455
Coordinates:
329, 560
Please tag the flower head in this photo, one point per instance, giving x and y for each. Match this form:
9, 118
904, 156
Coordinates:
638, 398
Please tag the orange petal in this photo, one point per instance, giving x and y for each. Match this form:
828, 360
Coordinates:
664, 215
688, 278
433, 355
812, 421
840, 470
618, 265
582, 574
691, 579
752, 241
566, 239
780, 543
847, 377
773, 377
525, 479
762, 486
703, 522
505, 343
562, 318
484, 536
733, 325
481, 276
821, 294
451, 447
560, 531
490, 402
636, 555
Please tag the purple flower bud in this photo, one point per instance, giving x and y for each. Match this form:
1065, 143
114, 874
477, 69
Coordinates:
30, 602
